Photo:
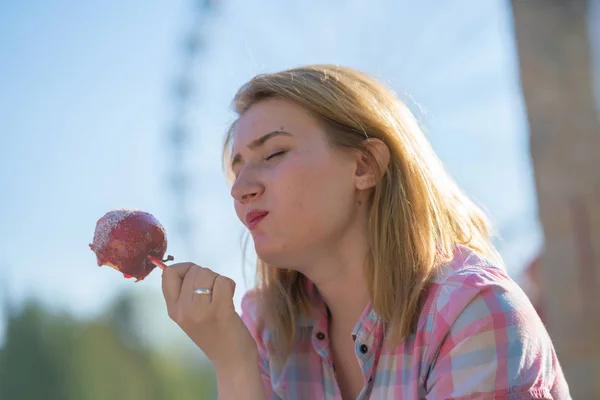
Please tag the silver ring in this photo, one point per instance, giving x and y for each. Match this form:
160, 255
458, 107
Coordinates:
202, 290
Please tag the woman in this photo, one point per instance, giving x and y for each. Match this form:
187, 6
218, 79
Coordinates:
376, 275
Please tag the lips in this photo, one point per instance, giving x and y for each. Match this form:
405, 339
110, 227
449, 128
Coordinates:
254, 217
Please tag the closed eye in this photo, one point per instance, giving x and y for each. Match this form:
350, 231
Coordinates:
279, 153
268, 158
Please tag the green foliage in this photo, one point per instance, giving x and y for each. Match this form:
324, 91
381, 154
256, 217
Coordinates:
55, 357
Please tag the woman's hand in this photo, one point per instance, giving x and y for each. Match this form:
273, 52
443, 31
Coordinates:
210, 320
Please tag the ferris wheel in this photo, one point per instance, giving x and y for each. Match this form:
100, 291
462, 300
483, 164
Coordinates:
185, 87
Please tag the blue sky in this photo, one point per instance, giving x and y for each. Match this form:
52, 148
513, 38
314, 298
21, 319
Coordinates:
86, 103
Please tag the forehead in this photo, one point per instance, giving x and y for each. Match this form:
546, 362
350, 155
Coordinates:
273, 115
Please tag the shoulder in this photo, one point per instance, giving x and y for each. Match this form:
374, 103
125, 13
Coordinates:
249, 303
483, 334
470, 279
254, 321
250, 313
470, 293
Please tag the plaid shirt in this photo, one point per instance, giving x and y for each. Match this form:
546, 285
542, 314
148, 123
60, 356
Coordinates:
478, 337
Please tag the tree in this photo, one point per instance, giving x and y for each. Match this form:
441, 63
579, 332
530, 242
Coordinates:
54, 356
557, 83
30, 362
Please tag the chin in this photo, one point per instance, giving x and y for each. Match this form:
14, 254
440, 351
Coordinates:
269, 257
271, 253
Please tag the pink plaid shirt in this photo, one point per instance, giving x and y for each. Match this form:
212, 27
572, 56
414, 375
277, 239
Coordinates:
478, 337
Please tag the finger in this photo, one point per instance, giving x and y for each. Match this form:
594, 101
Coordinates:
172, 278
204, 279
223, 291
188, 285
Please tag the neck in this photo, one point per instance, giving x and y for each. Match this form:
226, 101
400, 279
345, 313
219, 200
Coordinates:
340, 277
346, 299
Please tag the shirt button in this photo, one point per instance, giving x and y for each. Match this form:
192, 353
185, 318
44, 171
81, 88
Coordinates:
320, 336
364, 348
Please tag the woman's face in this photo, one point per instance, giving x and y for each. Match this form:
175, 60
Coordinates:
307, 188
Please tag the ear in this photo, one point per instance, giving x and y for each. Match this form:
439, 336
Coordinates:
365, 174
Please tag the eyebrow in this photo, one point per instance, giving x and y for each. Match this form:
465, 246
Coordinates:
258, 143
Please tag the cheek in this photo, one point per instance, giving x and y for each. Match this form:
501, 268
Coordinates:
309, 193
296, 185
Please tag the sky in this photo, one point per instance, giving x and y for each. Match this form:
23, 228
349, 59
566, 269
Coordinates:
86, 104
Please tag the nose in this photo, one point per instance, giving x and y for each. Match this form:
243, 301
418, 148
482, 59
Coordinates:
246, 188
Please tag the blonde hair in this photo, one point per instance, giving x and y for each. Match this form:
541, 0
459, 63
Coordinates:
418, 213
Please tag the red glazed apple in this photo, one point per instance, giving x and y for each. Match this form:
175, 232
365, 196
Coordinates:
131, 241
